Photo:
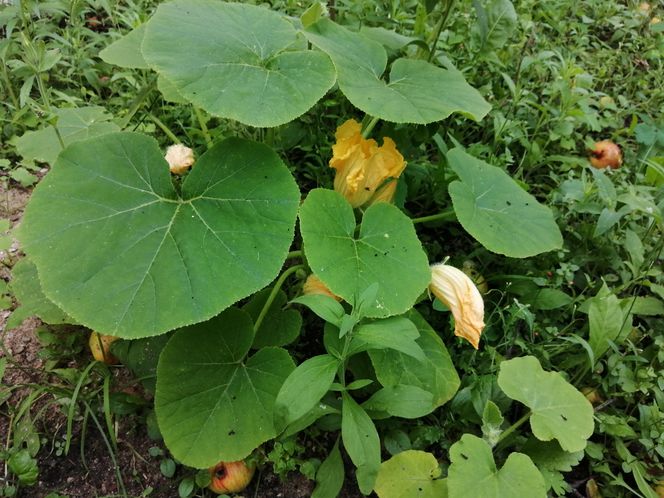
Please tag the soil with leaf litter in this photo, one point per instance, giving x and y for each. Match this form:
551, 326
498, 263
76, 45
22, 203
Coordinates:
88, 470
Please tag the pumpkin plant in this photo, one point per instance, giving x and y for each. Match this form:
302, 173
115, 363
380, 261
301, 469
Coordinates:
134, 252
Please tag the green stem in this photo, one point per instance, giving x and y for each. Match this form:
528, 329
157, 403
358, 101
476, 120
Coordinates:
10, 90
514, 426
47, 104
204, 128
342, 367
275, 290
447, 215
439, 29
294, 254
370, 126
137, 103
164, 128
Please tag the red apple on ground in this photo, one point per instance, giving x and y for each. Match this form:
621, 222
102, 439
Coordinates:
606, 154
230, 477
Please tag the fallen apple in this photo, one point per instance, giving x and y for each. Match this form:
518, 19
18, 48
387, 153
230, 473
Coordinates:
230, 477
100, 346
606, 154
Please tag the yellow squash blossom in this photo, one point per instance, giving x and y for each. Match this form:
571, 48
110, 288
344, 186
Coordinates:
454, 288
314, 285
365, 172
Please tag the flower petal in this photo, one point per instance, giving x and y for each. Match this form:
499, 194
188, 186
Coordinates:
362, 167
454, 288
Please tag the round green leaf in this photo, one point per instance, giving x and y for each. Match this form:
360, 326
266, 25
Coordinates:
473, 472
212, 403
236, 61
386, 251
418, 92
73, 124
495, 210
169, 92
28, 292
126, 51
118, 249
280, 326
558, 409
411, 474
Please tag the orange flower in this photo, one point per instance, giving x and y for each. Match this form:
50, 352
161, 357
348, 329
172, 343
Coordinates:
365, 172
314, 285
454, 288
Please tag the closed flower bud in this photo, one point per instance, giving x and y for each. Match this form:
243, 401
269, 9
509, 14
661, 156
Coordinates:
314, 285
365, 172
458, 292
179, 158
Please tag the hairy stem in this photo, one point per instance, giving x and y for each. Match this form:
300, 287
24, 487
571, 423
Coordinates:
514, 426
439, 29
204, 128
447, 215
164, 128
275, 290
370, 127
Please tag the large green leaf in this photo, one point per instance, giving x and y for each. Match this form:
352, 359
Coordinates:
411, 474
236, 61
119, 249
558, 409
27, 290
141, 357
473, 472
418, 92
436, 374
279, 327
386, 251
212, 402
126, 51
495, 210
73, 124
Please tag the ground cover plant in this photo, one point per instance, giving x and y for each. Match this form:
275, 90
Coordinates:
395, 248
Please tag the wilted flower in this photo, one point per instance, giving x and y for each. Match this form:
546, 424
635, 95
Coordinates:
179, 158
365, 172
454, 288
314, 285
